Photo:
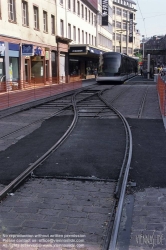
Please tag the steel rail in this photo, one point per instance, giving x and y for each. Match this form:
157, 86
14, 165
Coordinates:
34, 165
114, 235
143, 103
114, 98
47, 117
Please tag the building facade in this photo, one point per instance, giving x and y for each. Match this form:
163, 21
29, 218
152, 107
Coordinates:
43, 39
28, 37
123, 14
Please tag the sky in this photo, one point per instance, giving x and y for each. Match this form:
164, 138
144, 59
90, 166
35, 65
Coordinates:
151, 17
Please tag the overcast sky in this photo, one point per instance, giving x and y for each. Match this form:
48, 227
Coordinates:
151, 17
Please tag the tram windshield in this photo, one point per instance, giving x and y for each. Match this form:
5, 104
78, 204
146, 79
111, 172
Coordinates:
110, 65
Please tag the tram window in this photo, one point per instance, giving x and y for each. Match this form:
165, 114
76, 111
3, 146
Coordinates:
111, 65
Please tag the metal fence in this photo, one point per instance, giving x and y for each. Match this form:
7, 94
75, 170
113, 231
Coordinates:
161, 87
13, 93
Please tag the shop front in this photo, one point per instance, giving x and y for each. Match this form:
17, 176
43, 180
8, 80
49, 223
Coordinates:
9, 66
83, 61
36, 63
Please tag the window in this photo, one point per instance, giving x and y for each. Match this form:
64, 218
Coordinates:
0, 10
74, 6
82, 10
69, 30
82, 36
94, 20
124, 25
124, 38
74, 33
61, 1
12, 10
118, 24
52, 24
118, 37
61, 27
78, 7
86, 38
89, 16
45, 23
36, 17
89, 39
125, 13
69, 4
86, 14
92, 40
79, 35
118, 11
25, 20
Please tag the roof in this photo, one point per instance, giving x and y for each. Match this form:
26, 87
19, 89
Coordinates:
131, 1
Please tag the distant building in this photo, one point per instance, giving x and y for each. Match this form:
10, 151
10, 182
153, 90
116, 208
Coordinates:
121, 18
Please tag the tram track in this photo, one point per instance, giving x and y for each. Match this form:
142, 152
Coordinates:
142, 105
60, 105
110, 242
29, 170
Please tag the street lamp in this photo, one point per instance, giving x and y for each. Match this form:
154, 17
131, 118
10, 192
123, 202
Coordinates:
143, 40
120, 42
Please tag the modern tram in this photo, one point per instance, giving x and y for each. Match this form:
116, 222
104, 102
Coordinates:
116, 67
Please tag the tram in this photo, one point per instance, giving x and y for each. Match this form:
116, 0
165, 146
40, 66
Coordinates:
116, 67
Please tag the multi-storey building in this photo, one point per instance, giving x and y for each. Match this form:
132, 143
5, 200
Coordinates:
59, 38
79, 21
27, 39
121, 18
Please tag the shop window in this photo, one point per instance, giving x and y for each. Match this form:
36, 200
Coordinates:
2, 73
37, 69
12, 10
13, 68
26, 76
25, 20
53, 64
74, 67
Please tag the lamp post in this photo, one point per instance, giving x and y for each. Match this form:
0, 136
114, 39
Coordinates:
120, 42
143, 52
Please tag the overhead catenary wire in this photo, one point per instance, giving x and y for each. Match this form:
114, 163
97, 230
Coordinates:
142, 17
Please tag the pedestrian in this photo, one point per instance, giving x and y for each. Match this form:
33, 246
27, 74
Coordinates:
141, 70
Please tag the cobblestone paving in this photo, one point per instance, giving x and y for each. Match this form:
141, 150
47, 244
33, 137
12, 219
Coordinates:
81, 210
149, 220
